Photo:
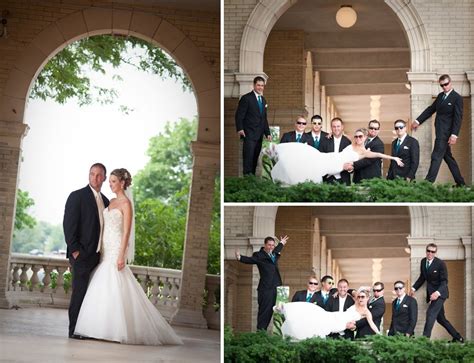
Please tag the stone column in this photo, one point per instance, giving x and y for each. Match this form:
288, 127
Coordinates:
421, 97
309, 86
193, 277
11, 134
324, 115
323, 264
317, 94
470, 77
467, 243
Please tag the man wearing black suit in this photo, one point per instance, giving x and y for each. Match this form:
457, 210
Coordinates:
252, 124
336, 143
317, 136
323, 296
406, 148
83, 226
308, 295
376, 307
404, 312
434, 272
267, 262
448, 107
298, 135
369, 168
341, 302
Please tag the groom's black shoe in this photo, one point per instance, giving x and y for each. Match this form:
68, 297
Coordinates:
76, 336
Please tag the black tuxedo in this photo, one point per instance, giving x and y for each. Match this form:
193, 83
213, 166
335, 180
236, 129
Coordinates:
81, 226
369, 168
409, 152
333, 305
301, 296
328, 147
322, 139
436, 277
255, 125
447, 122
291, 137
318, 299
377, 309
269, 280
404, 318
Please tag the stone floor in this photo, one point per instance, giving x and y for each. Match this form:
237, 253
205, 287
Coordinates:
39, 335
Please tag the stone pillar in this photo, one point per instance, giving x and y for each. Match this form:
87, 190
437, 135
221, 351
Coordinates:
467, 243
317, 94
316, 248
323, 255
193, 277
421, 97
309, 86
324, 115
11, 134
470, 77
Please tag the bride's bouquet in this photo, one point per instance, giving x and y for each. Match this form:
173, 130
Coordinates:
283, 294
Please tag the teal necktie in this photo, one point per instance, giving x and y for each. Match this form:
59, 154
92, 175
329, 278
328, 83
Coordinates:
298, 138
325, 298
397, 306
272, 256
444, 97
427, 265
308, 297
316, 143
397, 146
260, 104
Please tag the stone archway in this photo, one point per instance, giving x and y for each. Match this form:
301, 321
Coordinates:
158, 31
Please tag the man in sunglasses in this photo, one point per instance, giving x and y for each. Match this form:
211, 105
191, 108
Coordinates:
308, 295
267, 262
404, 312
433, 270
448, 106
317, 136
376, 305
324, 295
369, 168
298, 134
406, 148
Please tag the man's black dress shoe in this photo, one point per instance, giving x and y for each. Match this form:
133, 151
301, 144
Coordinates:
76, 336
460, 339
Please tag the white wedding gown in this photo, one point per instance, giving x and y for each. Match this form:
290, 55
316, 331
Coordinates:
115, 307
299, 163
304, 320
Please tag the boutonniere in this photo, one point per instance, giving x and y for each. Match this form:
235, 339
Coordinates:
405, 305
405, 147
315, 303
370, 306
435, 271
449, 104
266, 105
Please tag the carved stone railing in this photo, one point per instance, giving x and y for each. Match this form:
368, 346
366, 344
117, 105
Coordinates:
45, 281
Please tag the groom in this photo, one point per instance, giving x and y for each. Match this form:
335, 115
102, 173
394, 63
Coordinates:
83, 226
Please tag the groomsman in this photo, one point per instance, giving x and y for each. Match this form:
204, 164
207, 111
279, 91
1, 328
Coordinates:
448, 107
308, 295
323, 295
336, 143
317, 136
252, 124
404, 312
369, 168
376, 305
433, 270
267, 262
341, 303
298, 135
406, 148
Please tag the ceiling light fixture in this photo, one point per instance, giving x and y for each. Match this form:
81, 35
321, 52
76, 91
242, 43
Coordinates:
346, 16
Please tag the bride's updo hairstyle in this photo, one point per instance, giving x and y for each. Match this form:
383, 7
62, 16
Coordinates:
123, 175
365, 290
363, 130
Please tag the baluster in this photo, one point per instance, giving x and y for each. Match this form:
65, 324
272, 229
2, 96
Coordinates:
15, 277
143, 281
24, 277
174, 293
60, 280
47, 278
166, 291
34, 280
155, 290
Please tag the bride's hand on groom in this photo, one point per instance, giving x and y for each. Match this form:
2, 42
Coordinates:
120, 263
399, 162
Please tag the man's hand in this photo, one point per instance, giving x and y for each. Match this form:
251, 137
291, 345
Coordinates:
284, 240
434, 296
75, 254
348, 167
351, 325
237, 254
241, 133
452, 140
269, 137
414, 125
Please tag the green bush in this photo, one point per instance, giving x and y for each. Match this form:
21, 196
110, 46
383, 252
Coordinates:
261, 347
253, 189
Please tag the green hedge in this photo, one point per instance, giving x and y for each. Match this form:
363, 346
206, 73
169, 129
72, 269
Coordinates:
254, 189
261, 347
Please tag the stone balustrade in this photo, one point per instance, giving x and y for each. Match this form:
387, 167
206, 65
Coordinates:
45, 281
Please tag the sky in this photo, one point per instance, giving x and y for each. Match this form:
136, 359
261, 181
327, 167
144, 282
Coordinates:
65, 140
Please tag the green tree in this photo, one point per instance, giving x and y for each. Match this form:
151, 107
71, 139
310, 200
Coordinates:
63, 76
22, 218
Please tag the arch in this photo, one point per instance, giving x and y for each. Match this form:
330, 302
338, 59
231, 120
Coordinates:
267, 12
419, 221
89, 22
264, 221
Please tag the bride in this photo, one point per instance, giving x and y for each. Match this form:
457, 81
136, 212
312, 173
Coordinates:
298, 163
115, 307
305, 320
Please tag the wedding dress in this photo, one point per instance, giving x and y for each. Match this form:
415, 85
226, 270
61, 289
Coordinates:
304, 320
115, 307
298, 163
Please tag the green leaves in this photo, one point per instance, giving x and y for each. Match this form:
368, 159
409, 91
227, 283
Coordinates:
22, 218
